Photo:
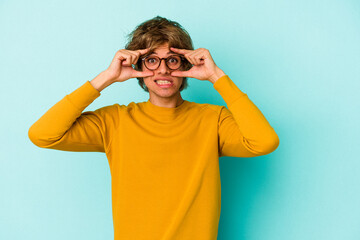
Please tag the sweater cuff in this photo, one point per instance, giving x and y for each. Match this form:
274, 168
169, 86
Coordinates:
83, 96
228, 90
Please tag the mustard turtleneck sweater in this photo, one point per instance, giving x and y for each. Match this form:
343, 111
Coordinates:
164, 162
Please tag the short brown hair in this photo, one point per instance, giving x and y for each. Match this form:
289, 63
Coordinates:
155, 32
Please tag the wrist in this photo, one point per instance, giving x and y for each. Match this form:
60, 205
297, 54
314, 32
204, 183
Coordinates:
217, 74
101, 81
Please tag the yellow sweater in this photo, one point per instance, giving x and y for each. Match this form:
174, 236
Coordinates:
164, 162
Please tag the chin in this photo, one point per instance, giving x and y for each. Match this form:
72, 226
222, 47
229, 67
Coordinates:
165, 92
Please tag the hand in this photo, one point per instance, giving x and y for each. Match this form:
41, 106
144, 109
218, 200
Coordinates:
204, 66
121, 68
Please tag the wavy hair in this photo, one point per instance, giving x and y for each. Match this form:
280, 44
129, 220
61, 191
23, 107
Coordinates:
154, 33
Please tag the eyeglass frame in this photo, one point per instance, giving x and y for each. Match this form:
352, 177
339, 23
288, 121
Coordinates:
183, 59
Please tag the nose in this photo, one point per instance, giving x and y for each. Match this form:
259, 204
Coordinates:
162, 69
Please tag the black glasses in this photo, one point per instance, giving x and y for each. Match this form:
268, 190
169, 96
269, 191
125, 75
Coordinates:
173, 62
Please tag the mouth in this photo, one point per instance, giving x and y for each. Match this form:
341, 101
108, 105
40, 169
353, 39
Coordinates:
164, 82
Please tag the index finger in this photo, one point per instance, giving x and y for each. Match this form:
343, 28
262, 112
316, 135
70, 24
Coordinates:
143, 51
181, 51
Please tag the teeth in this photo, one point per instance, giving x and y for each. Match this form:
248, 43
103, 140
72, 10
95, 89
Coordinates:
163, 82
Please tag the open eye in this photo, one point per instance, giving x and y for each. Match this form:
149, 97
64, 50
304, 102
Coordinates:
151, 60
173, 60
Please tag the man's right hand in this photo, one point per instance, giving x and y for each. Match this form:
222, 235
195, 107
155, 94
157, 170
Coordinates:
121, 68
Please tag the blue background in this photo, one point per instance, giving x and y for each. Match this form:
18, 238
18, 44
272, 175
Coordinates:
298, 61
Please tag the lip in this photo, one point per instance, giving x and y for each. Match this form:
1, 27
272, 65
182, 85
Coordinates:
164, 85
163, 78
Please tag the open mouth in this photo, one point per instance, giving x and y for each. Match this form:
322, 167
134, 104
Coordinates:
164, 83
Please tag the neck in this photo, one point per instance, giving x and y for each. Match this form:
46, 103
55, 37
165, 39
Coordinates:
169, 102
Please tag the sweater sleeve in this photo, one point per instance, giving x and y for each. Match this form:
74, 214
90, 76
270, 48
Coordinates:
243, 130
65, 127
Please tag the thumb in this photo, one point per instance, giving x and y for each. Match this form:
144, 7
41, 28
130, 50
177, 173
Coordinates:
137, 74
178, 73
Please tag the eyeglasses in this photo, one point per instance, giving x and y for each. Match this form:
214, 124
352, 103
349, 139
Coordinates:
173, 62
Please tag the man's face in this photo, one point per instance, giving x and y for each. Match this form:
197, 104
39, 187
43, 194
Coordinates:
156, 89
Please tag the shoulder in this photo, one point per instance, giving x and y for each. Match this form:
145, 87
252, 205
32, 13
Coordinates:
126, 109
105, 112
206, 108
109, 108
116, 107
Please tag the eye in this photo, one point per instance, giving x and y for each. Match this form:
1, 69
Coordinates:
151, 60
173, 59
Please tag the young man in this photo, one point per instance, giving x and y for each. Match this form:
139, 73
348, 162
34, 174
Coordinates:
164, 153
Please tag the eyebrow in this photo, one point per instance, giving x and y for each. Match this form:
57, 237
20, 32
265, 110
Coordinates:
156, 53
